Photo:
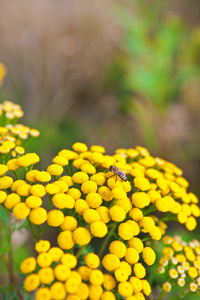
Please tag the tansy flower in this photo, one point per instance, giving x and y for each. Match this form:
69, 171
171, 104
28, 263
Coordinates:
136, 284
109, 282
111, 262
88, 168
33, 201
46, 275
80, 206
84, 272
141, 183
96, 277
81, 236
55, 217
125, 289
91, 215
132, 256
61, 200
42, 176
94, 200
38, 215
28, 159
136, 243
56, 253
140, 199
117, 213
3, 196
75, 193
98, 229
60, 160
139, 270
104, 213
65, 240
5, 182
88, 187
92, 260
95, 291
53, 188
149, 256
31, 282
21, 211
57, 290
42, 246
69, 260
118, 248
62, 272
80, 177
79, 147
11, 200
44, 260
28, 265
43, 293
97, 148
55, 170
69, 223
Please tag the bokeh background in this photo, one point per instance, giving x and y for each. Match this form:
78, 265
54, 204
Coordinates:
113, 73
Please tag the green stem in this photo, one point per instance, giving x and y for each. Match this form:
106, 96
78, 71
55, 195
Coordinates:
161, 295
80, 251
32, 230
105, 242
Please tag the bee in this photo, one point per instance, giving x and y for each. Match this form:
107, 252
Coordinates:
118, 172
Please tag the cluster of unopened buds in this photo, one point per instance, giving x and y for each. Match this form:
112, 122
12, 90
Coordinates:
105, 216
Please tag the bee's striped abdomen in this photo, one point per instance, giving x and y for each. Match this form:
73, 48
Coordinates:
122, 175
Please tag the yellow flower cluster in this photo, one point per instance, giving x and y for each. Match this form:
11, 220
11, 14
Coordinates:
180, 263
88, 201
12, 135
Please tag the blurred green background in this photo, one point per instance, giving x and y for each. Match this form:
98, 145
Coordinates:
114, 73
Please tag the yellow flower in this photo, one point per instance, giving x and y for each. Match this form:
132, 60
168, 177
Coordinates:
88, 168
28, 265
148, 256
98, 229
91, 215
55, 217
69, 260
125, 231
94, 200
21, 211
5, 182
193, 287
118, 193
58, 291
53, 188
146, 287
34, 132
84, 272
3, 169
79, 147
69, 154
192, 272
95, 292
125, 289
96, 277
63, 187
191, 223
109, 282
44, 260
23, 190
97, 148
96, 157
43, 293
108, 296
56, 253
155, 233
81, 206
121, 275
88, 187
141, 183
140, 199
33, 201
98, 178
118, 248
55, 170
77, 163
105, 193
166, 287
117, 213
62, 272
125, 204
38, 215
82, 292
136, 243
69, 223
73, 282
136, 284
61, 200
65, 240
46, 275
131, 256
110, 262
182, 217
12, 164
80, 177
60, 160
28, 159
42, 176
136, 214
147, 223
31, 175
104, 213
11, 200
37, 190
139, 270
75, 193
3, 196
92, 260
81, 236
42, 246
31, 282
